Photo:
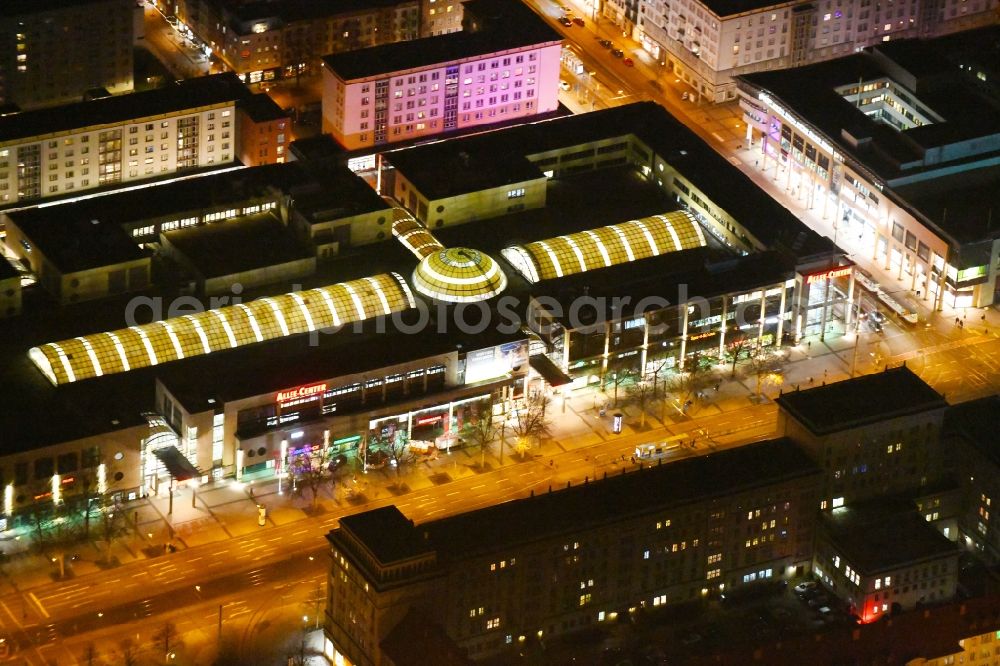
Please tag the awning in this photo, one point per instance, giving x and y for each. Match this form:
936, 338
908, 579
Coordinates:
180, 468
549, 371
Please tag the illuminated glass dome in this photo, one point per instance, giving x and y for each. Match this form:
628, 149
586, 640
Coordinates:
459, 275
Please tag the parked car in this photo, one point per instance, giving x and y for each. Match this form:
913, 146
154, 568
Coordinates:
606, 43
618, 53
804, 587
628, 62
566, 22
579, 21
564, 84
684, 96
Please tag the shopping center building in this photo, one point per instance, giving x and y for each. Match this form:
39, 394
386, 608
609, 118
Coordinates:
456, 315
896, 149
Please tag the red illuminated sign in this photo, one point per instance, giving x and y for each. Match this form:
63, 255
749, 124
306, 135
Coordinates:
827, 275
427, 420
300, 392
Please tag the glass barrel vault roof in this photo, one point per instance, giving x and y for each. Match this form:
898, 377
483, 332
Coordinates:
222, 328
606, 246
459, 275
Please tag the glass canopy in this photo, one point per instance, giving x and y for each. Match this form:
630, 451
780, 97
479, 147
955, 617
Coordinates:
606, 246
222, 328
459, 275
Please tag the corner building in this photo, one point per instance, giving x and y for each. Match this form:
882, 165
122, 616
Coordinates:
503, 65
497, 578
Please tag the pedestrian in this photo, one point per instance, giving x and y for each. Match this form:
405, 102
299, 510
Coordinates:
717, 384
809, 344
251, 492
983, 318
756, 163
810, 381
957, 320
961, 324
633, 460
551, 463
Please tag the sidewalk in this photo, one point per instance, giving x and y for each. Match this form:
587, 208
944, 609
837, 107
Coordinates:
226, 509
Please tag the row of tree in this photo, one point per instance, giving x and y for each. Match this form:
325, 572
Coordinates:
663, 382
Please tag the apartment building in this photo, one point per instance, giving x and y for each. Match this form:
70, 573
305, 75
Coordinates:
897, 148
875, 435
971, 429
571, 559
113, 141
883, 558
266, 41
708, 43
53, 51
503, 65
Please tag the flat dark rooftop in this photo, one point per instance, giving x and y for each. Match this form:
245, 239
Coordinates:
880, 536
271, 366
671, 278
866, 399
261, 108
299, 10
387, 533
190, 94
504, 151
311, 185
437, 171
512, 25
617, 498
976, 421
76, 244
224, 248
965, 204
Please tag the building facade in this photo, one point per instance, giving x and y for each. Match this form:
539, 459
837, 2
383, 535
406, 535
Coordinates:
52, 52
909, 181
882, 564
263, 42
708, 43
504, 65
114, 141
568, 560
875, 435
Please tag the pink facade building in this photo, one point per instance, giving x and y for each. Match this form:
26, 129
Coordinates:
503, 65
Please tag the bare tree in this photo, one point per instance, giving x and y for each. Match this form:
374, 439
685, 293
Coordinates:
310, 475
113, 524
696, 377
166, 640
481, 431
396, 447
765, 365
127, 652
658, 367
619, 373
530, 422
738, 348
642, 393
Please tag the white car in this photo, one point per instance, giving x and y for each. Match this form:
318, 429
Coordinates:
563, 84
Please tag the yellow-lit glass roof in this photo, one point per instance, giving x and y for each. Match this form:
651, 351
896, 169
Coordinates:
606, 246
415, 237
459, 275
223, 328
